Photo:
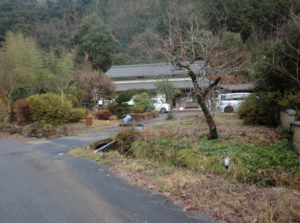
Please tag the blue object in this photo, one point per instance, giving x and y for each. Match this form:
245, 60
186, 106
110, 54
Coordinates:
138, 127
127, 119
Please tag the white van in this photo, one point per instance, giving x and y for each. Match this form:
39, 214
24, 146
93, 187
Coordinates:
230, 102
160, 105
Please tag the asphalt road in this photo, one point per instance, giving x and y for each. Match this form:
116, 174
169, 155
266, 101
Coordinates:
40, 183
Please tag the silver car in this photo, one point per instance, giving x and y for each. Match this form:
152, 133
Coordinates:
230, 102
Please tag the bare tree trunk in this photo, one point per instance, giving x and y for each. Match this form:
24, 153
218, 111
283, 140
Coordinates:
62, 96
201, 96
213, 133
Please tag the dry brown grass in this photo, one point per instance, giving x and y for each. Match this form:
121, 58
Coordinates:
212, 195
209, 194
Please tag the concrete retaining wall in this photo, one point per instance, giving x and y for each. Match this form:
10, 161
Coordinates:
287, 116
295, 127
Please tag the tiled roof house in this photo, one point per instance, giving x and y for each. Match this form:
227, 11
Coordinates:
145, 75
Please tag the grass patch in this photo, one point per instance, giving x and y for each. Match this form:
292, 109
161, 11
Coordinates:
210, 194
258, 155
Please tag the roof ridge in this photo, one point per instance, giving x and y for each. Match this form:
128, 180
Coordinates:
141, 65
150, 64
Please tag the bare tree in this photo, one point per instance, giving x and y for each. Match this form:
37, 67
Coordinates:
95, 85
219, 54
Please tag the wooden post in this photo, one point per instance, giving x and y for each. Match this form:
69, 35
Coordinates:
89, 120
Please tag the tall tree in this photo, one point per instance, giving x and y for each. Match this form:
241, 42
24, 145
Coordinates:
278, 67
96, 43
58, 71
20, 63
166, 87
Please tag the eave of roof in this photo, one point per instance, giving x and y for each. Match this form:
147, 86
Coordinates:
180, 83
237, 87
149, 70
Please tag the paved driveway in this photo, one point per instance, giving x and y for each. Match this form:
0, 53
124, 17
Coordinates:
39, 185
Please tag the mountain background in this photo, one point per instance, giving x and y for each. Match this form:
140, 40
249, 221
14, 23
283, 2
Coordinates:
115, 32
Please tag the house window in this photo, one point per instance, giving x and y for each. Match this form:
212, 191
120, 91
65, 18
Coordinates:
191, 99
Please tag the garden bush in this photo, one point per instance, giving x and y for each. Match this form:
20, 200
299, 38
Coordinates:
258, 111
22, 113
121, 111
136, 109
19, 93
144, 101
112, 107
49, 109
126, 96
76, 114
103, 114
286, 100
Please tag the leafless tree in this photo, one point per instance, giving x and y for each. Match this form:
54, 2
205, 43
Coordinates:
95, 85
220, 55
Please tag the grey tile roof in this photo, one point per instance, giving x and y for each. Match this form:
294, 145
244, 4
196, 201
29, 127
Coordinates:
183, 83
237, 87
123, 86
149, 70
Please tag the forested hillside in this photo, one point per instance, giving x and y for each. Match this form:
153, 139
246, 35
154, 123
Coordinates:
116, 32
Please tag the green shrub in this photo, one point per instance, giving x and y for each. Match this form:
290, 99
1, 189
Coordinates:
170, 116
121, 111
112, 107
103, 114
144, 101
286, 100
49, 109
76, 114
126, 96
136, 109
76, 103
258, 111
19, 93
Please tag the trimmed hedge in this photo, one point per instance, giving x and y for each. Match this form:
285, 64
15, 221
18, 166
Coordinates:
137, 109
76, 114
143, 116
49, 109
103, 114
